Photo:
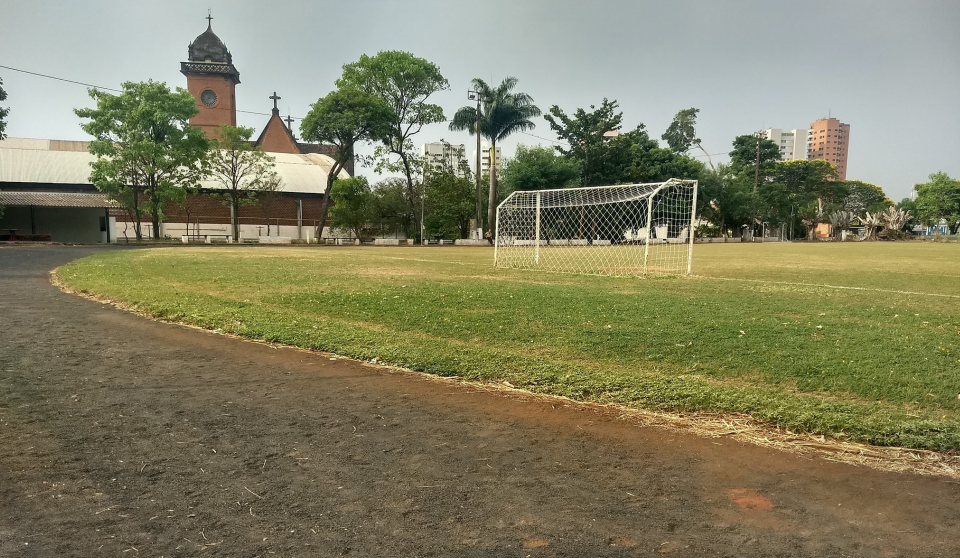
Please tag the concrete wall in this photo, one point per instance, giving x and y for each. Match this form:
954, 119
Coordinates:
63, 224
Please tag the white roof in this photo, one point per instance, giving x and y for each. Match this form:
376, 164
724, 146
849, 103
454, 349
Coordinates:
68, 162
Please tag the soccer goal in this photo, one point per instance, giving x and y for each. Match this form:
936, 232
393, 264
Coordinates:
631, 230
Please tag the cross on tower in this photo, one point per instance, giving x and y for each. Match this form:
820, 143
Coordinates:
209, 19
275, 98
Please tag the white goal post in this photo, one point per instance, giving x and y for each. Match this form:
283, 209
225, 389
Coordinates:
631, 230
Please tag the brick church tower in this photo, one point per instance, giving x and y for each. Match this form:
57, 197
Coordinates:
212, 80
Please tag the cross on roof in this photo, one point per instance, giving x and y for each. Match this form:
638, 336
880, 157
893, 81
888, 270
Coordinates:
289, 122
209, 19
275, 98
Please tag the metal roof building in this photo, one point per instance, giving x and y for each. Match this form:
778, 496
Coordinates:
45, 186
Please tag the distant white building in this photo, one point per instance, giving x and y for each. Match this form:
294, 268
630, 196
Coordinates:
484, 158
440, 155
792, 143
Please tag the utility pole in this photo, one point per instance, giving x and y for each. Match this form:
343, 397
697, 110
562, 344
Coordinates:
756, 181
471, 95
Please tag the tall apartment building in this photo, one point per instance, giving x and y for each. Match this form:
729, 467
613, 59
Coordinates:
829, 139
440, 155
485, 158
793, 143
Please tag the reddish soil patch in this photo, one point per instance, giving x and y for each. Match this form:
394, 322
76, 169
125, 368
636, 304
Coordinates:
125, 437
747, 499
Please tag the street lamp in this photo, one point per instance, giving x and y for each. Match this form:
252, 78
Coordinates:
475, 96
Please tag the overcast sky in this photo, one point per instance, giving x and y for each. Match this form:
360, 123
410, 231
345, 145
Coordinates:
890, 69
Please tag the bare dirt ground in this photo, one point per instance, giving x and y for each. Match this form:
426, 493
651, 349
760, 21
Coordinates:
124, 437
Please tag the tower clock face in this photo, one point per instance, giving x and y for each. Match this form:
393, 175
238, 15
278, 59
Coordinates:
208, 98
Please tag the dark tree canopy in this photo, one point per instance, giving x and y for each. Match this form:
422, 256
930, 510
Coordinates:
353, 204
539, 168
744, 154
681, 135
606, 156
939, 199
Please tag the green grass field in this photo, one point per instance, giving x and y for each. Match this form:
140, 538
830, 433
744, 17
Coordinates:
857, 340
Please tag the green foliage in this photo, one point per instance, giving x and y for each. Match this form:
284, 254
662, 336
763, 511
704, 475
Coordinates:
343, 118
539, 168
503, 113
404, 83
588, 145
145, 144
743, 158
681, 135
3, 114
939, 199
449, 205
872, 364
353, 204
606, 157
243, 169
391, 207
864, 197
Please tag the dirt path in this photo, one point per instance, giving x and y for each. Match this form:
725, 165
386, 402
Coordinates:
124, 437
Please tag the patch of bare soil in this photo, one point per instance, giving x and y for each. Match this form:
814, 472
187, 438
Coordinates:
126, 437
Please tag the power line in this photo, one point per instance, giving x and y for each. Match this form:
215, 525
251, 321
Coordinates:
117, 90
543, 138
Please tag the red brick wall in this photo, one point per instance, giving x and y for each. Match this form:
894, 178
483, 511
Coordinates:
209, 209
224, 111
276, 139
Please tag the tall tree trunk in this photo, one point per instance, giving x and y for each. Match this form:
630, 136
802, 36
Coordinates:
235, 215
334, 171
138, 231
411, 193
493, 195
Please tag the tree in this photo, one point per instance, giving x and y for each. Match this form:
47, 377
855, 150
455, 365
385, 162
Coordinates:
391, 211
3, 112
343, 118
243, 169
792, 190
404, 83
864, 197
607, 156
743, 158
681, 135
353, 204
267, 194
588, 134
503, 113
449, 204
939, 199
145, 145
539, 168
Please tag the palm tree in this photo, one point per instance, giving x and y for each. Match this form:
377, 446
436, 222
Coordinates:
502, 113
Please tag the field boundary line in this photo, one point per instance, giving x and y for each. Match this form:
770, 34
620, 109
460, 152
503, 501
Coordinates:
824, 285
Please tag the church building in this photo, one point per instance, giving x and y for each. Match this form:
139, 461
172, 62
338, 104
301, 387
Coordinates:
46, 190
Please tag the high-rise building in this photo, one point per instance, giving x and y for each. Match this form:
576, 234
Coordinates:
485, 158
792, 143
829, 139
438, 156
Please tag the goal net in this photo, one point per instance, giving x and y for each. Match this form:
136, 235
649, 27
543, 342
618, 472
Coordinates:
630, 230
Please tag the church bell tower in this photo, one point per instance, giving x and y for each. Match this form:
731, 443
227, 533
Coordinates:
212, 80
